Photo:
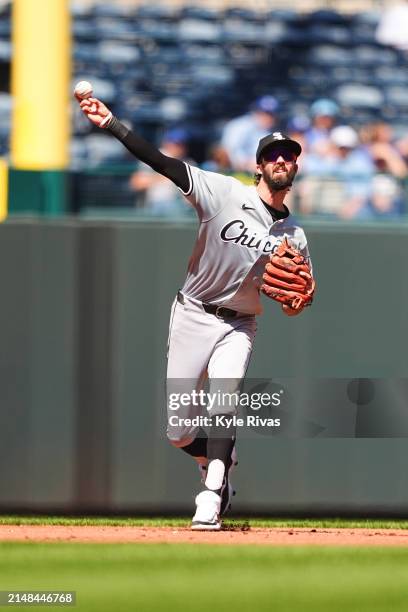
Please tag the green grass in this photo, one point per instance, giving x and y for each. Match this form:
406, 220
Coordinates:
184, 522
175, 577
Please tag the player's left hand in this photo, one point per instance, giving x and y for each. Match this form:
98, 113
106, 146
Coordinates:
288, 279
291, 312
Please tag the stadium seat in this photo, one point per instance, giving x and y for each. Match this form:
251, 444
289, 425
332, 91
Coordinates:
357, 95
173, 109
370, 18
347, 74
396, 96
5, 27
244, 15
83, 30
330, 55
240, 32
374, 55
80, 9
6, 105
110, 9
101, 148
158, 31
213, 75
86, 52
198, 29
275, 32
284, 15
5, 51
327, 17
391, 75
197, 12
159, 12
108, 27
248, 55
297, 35
333, 34
112, 52
206, 53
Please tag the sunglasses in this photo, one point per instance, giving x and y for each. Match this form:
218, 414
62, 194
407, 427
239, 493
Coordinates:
271, 155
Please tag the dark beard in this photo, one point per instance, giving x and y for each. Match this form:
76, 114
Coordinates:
278, 184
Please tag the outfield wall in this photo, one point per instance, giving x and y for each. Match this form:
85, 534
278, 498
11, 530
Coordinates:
84, 313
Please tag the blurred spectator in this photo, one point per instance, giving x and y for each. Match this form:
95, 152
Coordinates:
338, 182
378, 140
159, 195
218, 160
402, 147
393, 26
324, 113
241, 135
391, 169
387, 198
296, 128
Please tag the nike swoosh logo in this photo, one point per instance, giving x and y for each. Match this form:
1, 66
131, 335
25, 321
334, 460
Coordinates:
245, 207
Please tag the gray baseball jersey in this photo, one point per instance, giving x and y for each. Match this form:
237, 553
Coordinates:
235, 239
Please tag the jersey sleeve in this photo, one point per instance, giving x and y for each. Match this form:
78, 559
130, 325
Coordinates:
208, 192
303, 247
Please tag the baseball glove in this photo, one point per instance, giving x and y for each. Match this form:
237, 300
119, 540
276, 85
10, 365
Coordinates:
288, 279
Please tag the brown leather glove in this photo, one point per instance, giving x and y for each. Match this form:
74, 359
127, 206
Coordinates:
288, 279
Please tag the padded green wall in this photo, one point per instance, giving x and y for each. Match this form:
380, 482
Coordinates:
84, 313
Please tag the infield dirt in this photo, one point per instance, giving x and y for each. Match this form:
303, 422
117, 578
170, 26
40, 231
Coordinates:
244, 535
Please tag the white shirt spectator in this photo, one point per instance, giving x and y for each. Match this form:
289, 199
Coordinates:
241, 135
393, 27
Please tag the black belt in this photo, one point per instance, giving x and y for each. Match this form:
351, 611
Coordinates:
219, 311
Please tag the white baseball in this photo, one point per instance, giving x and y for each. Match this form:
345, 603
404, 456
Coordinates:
83, 89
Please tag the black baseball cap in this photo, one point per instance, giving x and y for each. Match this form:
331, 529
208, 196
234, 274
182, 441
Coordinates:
277, 139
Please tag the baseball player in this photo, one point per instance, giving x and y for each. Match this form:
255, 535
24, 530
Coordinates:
247, 244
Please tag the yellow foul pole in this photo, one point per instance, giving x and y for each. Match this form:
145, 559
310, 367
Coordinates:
3, 189
40, 84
